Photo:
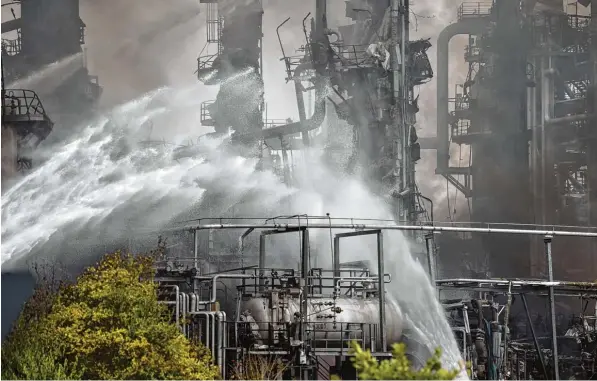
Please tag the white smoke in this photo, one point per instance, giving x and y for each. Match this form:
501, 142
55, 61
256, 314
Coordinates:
104, 184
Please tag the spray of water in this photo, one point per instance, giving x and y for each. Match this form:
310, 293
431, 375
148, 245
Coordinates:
104, 183
48, 78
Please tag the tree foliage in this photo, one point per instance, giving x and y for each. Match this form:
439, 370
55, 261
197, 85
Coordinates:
106, 325
398, 367
256, 367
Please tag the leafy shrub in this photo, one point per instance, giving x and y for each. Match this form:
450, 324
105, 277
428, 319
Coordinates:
398, 367
106, 325
256, 367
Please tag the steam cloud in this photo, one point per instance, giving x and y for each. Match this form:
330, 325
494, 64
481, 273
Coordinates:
105, 184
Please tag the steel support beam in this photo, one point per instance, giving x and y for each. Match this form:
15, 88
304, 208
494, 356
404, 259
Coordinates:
552, 308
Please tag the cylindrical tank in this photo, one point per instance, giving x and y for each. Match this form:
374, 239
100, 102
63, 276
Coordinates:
330, 321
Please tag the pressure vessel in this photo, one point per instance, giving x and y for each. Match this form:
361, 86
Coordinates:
330, 321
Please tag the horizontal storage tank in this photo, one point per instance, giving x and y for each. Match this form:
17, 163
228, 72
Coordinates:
330, 321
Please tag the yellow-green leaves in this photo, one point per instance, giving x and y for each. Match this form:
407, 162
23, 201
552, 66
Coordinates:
398, 367
107, 325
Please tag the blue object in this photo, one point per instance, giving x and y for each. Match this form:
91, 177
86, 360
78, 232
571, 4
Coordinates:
17, 288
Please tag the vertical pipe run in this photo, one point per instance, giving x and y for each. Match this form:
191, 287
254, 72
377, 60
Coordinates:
304, 285
304, 307
506, 328
547, 100
220, 316
535, 340
196, 258
473, 26
336, 258
532, 124
261, 261
430, 258
382, 291
552, 307
177, 308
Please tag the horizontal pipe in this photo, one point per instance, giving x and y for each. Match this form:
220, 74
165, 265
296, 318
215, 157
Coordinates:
390, 227
214, 280
568, 119
516, 283
387, 278
296, 127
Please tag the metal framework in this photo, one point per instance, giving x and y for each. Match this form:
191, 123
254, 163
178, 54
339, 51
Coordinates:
303, 315
36, 36
24, 125
525, 117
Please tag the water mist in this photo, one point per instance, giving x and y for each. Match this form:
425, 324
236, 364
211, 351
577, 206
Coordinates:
105, 183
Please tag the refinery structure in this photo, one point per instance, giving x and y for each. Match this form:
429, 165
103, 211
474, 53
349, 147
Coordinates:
279, 282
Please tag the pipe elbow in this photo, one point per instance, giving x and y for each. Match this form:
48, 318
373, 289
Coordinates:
466, 26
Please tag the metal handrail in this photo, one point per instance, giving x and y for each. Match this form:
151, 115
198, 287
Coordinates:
475, 9
353, 55
12, 47
205, 62
205, 117
268, 123
19, 102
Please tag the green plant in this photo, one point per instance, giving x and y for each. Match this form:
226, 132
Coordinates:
108, 324
255, 367
398, 367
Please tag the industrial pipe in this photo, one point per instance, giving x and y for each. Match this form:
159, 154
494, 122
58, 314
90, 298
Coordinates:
552, 307
465, 26
386, 278
261, 261
183, 305
214, 280
208, 338
298, 90
176, 304
382, 292
380, 275
430, 257
535, 341
241, 243
361, 227
296, 127
568, 119
304, 306
220, 316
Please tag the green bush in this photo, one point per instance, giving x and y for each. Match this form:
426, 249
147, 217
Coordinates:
106, 325
398, 367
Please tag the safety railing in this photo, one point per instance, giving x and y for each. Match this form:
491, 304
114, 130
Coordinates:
460, 128
578, 88
23, 103
206, 119
12, 47
354, 56
571, 32
580, 23
269, 123
472, 53
214, 23
82, 34
476, 9
291, 63
205, 62
461, 102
